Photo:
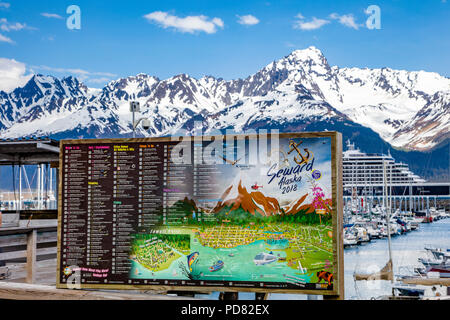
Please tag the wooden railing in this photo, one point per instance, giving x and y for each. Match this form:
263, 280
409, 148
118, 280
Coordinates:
28, 243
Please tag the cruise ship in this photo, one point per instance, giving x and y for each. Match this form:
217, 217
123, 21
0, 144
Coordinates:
366, 169
364, 181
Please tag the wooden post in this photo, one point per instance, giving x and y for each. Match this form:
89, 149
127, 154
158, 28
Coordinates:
31, 256
338, 220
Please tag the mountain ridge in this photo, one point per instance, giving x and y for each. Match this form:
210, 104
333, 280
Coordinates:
407, 110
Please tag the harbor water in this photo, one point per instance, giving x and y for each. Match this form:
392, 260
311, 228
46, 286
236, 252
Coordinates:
406, 249
372, 256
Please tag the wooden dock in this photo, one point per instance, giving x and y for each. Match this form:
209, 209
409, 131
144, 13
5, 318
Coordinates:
24, 291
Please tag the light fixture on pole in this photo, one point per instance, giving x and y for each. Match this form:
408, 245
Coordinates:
134, 107
146, 124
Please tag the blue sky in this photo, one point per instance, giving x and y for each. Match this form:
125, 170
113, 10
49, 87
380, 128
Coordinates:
122, 38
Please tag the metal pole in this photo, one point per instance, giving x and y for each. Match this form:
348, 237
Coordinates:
388, 217
42, 185
38, 184
390, 187
134, 128
384, 185
47, 167
51, 184
41, 191
20, 187
410, 198
51, 179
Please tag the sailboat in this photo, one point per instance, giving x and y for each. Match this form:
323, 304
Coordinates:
418, 287
387, 272
384, 274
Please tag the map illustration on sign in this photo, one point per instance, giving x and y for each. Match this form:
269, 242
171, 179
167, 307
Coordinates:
230, 222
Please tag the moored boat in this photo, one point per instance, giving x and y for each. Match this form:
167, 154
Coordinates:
217, 266
265, 258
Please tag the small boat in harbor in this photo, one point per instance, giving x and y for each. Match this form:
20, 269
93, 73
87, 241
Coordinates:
428, 282
217, 266
439, 258
265, 258
440, 272
420, 292
438, 253
350, 240
413, 222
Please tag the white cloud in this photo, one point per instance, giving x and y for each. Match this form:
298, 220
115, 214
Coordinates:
309, 25
5, 39
83, 75
99, 80
12, 74
48, 38
189, 24
248, 20
7, 26
51, 15
334, 16
290, 45
218, 22
347, 20
5, 5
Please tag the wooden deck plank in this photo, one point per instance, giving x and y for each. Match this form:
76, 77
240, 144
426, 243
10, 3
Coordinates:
428, 281
15, 241
22, 291
45, 272
24, 253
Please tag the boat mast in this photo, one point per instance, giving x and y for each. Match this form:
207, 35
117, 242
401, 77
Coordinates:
388, 218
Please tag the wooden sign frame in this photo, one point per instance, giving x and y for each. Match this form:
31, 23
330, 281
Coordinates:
337, 221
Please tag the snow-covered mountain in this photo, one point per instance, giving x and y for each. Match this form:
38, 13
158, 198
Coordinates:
301, 91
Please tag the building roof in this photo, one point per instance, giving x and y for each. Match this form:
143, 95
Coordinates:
28, 151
